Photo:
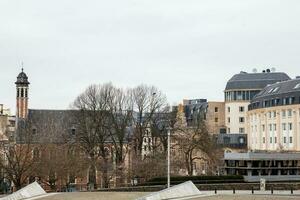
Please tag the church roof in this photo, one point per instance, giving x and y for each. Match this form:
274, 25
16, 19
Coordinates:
51, 126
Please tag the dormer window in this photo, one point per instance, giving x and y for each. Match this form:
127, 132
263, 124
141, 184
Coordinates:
275, 89
270, 90
297, 86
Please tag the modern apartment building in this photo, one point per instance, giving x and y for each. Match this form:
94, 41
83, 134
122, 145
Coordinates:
274, 118
273, 126
240, 90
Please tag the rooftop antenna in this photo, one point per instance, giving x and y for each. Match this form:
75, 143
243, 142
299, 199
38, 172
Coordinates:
273, 69
254, 70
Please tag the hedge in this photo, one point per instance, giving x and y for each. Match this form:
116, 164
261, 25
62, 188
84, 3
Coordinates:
195, 179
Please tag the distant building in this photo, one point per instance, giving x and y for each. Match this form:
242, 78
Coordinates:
240, 90
212, 113
56, 127
273, 126
7, 124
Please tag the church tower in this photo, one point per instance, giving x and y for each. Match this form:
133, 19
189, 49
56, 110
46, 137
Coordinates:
22, 85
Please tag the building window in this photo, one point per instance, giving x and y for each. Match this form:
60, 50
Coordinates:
283, 113
270, 127
242, 130
228, 130
284, 101
275, 140
270, 115
228, 109
216, 109
226, 140
264, 140
274, 114
73, 131
270, 140
290, 126
291, 140
284, 140
216, 119
290, 113
274, 125
228, 119
242, 119
34, 131
263, 128
275, 89
22, 92
242, 108
242, 140
284, 126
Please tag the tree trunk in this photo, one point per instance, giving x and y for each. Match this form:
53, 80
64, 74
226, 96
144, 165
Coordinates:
105, 173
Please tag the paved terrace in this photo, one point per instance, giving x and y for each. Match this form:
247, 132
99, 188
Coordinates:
222, 195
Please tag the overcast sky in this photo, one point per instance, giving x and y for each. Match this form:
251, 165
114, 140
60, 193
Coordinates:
187, 48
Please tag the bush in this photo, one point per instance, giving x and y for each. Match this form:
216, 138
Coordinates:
195, 179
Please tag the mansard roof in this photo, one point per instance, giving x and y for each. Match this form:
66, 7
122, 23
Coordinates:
281, 88
255, 81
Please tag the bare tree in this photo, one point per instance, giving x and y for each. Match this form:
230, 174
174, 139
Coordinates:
193, 142
160, 125
17, 159
92, 122
147, 101
120, 108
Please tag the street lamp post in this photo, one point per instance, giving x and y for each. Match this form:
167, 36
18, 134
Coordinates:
168, 158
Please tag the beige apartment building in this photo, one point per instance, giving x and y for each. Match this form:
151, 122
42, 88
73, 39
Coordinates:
273, 126
240, 90
274, 118
212, 111
215, 117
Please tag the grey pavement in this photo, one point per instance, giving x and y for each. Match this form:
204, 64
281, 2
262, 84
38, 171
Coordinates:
209, 195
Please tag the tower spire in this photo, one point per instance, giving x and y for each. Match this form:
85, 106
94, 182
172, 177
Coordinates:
22, 86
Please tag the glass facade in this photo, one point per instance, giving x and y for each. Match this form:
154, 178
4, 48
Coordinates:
240, 95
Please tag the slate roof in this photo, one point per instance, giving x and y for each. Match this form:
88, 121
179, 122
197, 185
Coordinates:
258, 81
51, 126
285, 87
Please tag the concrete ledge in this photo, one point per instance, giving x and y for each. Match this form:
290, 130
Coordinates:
182, 191
32, 190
